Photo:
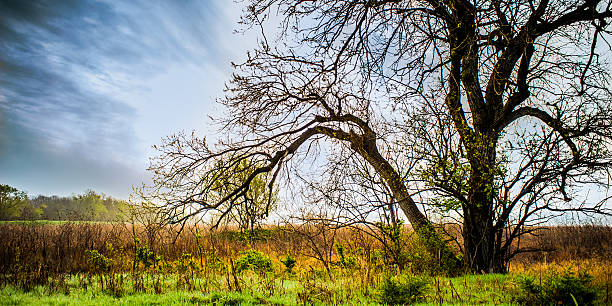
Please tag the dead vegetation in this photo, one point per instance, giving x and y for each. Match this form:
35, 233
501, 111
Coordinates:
62, 248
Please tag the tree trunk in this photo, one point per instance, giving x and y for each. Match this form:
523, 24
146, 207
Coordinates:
479, 235
478, 239
366, 147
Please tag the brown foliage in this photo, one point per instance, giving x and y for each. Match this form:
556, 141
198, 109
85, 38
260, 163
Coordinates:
52, 249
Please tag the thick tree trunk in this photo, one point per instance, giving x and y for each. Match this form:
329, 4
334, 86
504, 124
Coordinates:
478, 239
479, 234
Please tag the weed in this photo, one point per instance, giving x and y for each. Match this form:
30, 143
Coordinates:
100, 263
185, 269
567, 289
313, 293
255, 261
144, 256
345, 261
289, 263
109, 281
403, 290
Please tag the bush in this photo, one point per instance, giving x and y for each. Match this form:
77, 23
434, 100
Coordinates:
401, 291
345, 261
99, 262
289, 263
568, 289
144, 255
255, 261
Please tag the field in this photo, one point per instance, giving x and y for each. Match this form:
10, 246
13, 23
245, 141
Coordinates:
113, 263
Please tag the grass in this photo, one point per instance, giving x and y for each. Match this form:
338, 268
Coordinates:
51, 262
9, 296
489, 289
287, 292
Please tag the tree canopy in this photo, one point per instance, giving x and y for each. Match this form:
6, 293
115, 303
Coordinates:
88, 206
498, 110
12, 202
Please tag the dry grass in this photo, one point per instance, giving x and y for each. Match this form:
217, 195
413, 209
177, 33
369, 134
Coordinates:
55, 255
60, 248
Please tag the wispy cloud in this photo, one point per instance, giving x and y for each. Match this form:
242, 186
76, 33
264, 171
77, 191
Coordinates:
86, 86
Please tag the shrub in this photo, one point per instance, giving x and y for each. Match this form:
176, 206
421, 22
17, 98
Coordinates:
403, 290
99, 262
185, 264
289, 263
344, 260
568, 289
255, 261
213, 261
144, 255
313, 293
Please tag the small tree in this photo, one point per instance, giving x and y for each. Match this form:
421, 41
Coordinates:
12, 202
150, 220
89, 206
254, 206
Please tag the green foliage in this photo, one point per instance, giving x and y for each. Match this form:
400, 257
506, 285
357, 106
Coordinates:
567, 289
403, 290
89, 206
448, 174
394, 244
186, 268
12, 202
29, 212
100, 263
255, 261
145, 256
414, 251
445, 261
289, 263
454, 174
213, 261
344, 260
186, 263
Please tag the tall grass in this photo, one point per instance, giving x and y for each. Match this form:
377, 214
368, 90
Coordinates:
122, 260
61, 247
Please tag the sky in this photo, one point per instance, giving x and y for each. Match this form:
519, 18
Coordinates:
87, 86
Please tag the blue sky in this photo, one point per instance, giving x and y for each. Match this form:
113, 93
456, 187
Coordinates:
87, 87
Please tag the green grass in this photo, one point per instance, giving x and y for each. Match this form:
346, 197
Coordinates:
490, 289
10, 296
39, 296
288, 290
265, 289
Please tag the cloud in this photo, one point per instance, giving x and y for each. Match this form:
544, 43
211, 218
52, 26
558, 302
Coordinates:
77, 84
36, 166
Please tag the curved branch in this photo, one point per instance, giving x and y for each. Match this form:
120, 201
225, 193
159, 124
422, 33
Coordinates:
557, 126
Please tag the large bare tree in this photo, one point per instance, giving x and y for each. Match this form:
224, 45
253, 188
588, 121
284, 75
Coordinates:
500, 108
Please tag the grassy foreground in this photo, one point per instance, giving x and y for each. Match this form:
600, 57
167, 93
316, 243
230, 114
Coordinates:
294, 289
115, 264
467, 290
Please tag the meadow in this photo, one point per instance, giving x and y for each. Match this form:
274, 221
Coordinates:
69, 263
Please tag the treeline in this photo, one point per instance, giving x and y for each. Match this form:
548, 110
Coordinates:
89, 206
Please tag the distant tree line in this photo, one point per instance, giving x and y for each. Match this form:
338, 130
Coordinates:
89, 206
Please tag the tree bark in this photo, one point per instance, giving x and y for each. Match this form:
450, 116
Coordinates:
366, 147
479, 233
